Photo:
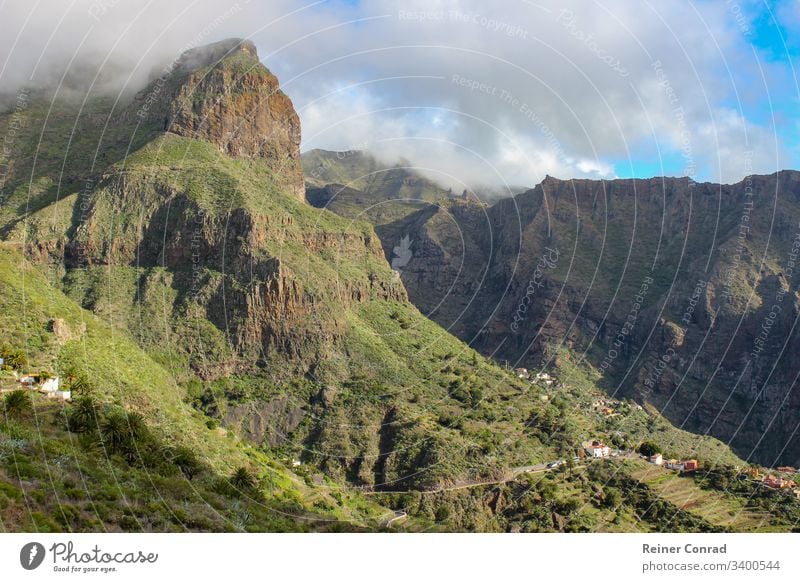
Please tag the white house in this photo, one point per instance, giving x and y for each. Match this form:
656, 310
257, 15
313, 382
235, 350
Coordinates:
596, 449
657, 459
60, 395
522, 373
674, 464
545, 378
50, 385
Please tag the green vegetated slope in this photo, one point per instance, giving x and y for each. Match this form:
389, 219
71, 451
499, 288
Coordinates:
59, 474
680, 280
620, 494
254, 329
362, 171
357, 185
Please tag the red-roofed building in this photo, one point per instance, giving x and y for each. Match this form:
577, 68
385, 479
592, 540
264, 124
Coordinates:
774, 482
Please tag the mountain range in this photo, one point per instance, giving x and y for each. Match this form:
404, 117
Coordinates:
257, 340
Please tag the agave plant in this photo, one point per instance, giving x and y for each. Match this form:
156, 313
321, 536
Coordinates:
243, 480
17, 403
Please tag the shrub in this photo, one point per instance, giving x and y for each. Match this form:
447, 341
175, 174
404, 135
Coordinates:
10, 491
187, 462
613, 498
649, 448
442, 513
129, 523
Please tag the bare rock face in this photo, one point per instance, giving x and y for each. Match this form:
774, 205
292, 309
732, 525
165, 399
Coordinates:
221, 93
229, 264
271, 422
659, 282
64, 333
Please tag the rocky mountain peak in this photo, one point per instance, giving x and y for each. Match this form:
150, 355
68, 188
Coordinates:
221, 93
212, 54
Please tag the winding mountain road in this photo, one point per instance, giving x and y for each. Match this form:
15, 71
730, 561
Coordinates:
511, 476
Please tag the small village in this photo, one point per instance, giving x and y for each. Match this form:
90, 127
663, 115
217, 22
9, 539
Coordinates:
44, 382
780, 479
601, 404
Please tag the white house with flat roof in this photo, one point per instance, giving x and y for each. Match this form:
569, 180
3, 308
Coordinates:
596, 449
50, 385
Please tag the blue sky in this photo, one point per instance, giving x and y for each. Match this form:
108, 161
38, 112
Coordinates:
771, 34
773, 45
728, 67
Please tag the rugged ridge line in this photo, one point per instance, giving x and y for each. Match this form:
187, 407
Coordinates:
222, 93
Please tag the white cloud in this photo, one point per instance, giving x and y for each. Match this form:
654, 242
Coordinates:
482, 93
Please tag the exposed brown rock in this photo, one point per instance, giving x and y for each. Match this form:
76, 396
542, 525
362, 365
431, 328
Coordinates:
221, 93
712, 340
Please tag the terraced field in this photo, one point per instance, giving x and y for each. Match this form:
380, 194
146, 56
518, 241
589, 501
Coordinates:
716, 507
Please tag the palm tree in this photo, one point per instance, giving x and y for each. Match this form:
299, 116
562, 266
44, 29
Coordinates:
16, 359
187, 462
114, 432
80, 384
243, 480
70, 374
137, 433
82, 415
17, 403
137, 427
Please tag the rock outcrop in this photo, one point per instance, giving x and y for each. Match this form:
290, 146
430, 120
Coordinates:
683, 294
221, 93
229, 224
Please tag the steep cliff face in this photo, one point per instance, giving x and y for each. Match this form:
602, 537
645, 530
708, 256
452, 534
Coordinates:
57, 335
214, 196
221, 93
684, 294
282, 321
249, 265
